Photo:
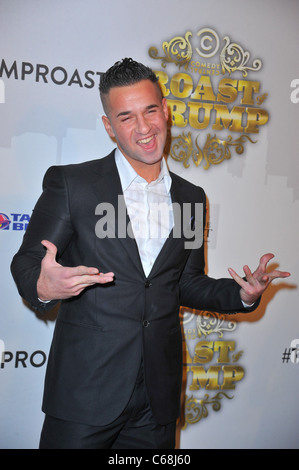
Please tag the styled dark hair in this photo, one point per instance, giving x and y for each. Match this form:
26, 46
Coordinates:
123, 73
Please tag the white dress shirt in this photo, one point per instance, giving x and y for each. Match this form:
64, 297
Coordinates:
149, 207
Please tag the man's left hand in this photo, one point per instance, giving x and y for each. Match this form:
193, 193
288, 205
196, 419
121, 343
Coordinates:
257, 282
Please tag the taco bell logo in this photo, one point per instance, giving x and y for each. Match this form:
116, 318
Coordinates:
4, 222
16, 222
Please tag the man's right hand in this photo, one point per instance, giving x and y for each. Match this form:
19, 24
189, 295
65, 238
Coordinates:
57, 282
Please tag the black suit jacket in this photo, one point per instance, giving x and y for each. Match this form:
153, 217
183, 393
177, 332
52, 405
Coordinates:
102, 335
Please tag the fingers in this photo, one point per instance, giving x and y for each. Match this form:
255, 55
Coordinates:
278, 274
260, 275
97, 278
88, 275
62, 282
264, 260
51, 248
83, 276
105, 278
78, 271
248, 274
236, 277
83, 271
87, 281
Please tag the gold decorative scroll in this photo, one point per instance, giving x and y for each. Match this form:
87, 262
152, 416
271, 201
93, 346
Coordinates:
178, 50
214, 152
195, 409
212, 322
233, 57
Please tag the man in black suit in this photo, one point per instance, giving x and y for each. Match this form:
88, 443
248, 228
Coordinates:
114, 372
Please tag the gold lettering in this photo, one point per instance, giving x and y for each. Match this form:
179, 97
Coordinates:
227, 91
204, 379
163, 80
231, 120
188, 358
249, 88
224, 347
177, 109
181, 85
194, 114
256, 117
231, 374
204, 90
203, 352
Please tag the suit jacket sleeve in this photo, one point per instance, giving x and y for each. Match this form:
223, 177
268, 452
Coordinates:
50, 220
201, 292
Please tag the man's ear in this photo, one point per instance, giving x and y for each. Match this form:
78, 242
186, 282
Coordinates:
108, 126
165, 108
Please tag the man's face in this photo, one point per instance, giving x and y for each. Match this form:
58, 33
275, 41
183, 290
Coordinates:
137, 120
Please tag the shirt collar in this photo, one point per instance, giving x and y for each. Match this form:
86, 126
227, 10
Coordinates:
127, 173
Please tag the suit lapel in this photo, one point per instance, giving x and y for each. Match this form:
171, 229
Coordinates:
109, 191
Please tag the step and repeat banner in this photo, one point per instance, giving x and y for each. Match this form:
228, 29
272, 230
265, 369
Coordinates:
230, 73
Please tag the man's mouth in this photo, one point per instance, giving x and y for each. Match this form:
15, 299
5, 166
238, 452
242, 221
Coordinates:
146, 141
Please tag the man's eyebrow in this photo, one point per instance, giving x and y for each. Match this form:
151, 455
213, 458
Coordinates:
151, 106
126, 113
123, 113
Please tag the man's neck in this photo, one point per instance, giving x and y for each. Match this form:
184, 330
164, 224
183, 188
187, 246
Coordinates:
149, 172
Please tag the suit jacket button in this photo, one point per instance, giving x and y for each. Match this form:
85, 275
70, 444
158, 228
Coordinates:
148, 284
145, 323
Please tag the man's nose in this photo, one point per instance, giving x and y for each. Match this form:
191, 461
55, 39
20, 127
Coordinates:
142, 126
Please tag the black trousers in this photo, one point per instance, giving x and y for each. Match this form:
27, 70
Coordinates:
134, 429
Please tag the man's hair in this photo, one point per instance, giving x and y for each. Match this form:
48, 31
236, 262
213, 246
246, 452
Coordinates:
123, 73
